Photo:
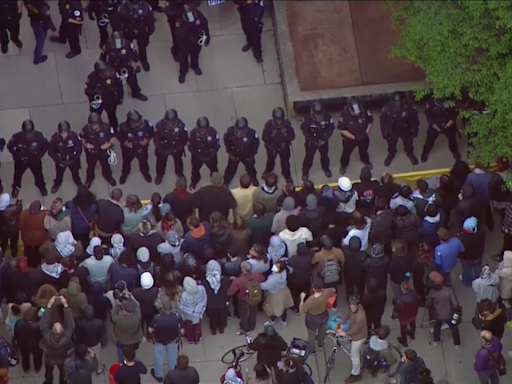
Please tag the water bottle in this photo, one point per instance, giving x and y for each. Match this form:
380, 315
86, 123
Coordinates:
455, 318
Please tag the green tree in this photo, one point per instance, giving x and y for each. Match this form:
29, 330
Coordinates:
463, 46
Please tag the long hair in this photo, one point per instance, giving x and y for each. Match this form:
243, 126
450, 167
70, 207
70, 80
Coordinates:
133, 203
218, 220
84, 198
156, 199
172, 284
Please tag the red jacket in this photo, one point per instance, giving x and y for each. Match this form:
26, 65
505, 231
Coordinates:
409, 310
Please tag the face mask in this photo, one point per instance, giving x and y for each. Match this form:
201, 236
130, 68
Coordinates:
190, 17
356, 109
275, 269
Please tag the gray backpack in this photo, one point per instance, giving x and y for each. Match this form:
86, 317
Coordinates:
330, 270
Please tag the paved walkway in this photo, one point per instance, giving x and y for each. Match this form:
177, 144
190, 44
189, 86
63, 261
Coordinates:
232, 85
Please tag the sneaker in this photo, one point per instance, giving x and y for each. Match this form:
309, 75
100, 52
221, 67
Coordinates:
460, 277
435, 343
457, 347
159, 379
284, 323
296, 312
353, 378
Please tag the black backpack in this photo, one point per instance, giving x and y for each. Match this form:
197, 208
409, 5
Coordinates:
372, 361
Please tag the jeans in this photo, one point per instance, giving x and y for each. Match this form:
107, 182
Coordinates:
355, 356
487, 377
172, 354
455, 331
316, 337
40, 34
470, 271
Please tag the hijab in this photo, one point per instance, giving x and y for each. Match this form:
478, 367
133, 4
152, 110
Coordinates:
65, 243
276, 248
95, 241
213, 275
231, 378
117, 242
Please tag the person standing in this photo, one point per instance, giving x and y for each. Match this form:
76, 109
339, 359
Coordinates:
65, 149
10, 223
72, 18
27, 149
446, 254
216, 287
10, 16
399, 119
410, 366
251, 15
130, 370
27, 333
192, 306
183, 373
317, 127
126, 317
105, 12
40, 21
355, 124
203, 145
487, 357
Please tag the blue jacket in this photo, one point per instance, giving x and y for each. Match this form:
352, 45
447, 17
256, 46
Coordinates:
446, 254
78, 224
197, 246
480, 183
427, 232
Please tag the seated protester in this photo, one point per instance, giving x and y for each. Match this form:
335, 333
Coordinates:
232, 376
276, 249
290, 372
130, 370
491, 317
146, 296
77, 300
288, 190
146, 237
294, 234
404, 197
216, 287
144, 263
405, 226
71, 269
126, 269
486, 286
312, 215
260, 224
99, 302
300, 278
423, 197
473, 241
155, 211
269, 346
359, 227
98, 266
240, 235
432, 221
268, 194
57, 219
89, 332
198, 238
379, 343
410, 366
388, 187
367, 190
346, 195
51, 271
82, 369
220, 236
190, 267
258, 258
181, 201
289, 208
21, 280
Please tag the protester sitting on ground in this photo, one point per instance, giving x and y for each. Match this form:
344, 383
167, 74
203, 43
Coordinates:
379, 343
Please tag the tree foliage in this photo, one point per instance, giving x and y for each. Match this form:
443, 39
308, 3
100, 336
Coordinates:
463, 46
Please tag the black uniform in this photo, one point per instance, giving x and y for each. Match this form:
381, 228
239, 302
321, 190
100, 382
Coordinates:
138, 23
93, 155
106, 13
277, 141
317, 135
399, 123
251, 16
27, 155
189, 37
135, 137
241, 149
441, 116
203, 150
110, 89
68, 31
357, 126
2, 146
9, 24
173, 9
123, 59
170, 142
66, 154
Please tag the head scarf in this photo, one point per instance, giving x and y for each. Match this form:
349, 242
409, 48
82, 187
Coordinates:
231, 378
470, 225
35, 207
276, 248
117, 242
190, 286
193, 299
5, 201
485, 272
65, 243
143, 254
95, 241
213, 274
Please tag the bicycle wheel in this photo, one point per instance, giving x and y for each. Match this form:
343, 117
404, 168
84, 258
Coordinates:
308, 369
328, 365
230, 356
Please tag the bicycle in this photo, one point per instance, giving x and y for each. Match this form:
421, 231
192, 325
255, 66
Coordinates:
343, 343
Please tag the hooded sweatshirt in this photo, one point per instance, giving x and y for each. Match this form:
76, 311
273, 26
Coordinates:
90, 330
367, 190
427, 232
172, 246
486, 287
77, 300
422, 199
288, 208
504, 273
293, 239
361, 233
346, 200
398, 200
483, 361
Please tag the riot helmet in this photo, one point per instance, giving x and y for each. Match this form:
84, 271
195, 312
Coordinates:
171, 118
278, 116
354, 107
134, 119
101, 68
189, 13
94, 121
241, 127
117, 40
317, 111
202, 126
28, 129
63, 128
398, 99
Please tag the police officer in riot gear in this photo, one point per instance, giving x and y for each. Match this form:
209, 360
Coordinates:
138, 23
441, 120
355, 124
192, 33
242, 145
122, 56
97, 139
105, 91
170, 139
65, 149
2, 146
399, 119
203, 146
105, 13
251, 16
318, 127
72, 18
10, 16
277, 136
28, 148
134, 136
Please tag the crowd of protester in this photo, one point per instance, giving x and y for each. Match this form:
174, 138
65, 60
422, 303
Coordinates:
157, 271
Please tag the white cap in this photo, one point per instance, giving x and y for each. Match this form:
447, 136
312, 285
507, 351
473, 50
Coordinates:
344, 183
146, 280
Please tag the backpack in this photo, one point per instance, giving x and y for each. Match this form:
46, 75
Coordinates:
372, 361
330, 271
10, 351
253, 292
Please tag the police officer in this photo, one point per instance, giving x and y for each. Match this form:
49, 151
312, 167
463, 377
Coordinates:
155, 5
318, 128
399, 119
97, 139
71, 12
28, 148
355, 124
10, 16
192, 33
138, 23
105, 12
134, 136
242, 145
40, 20
104, 89
2, 146
251, 15
170, 139
65, 149
203, 145
173, 10
121, 55
441, 120
277, 136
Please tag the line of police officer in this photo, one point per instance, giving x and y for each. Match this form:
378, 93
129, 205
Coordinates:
10, 16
